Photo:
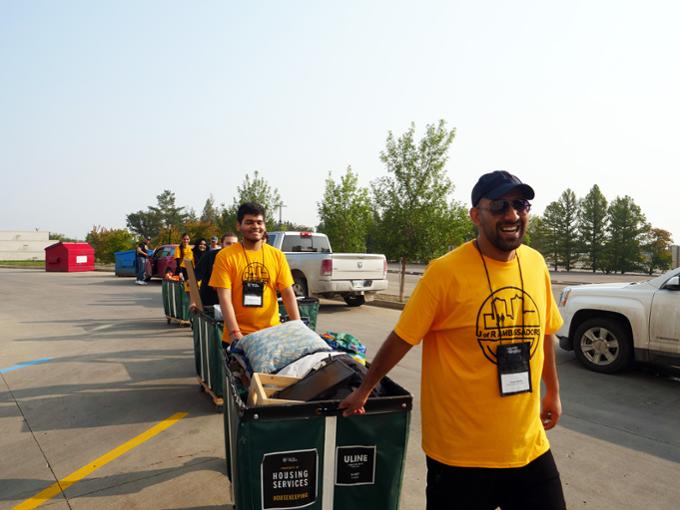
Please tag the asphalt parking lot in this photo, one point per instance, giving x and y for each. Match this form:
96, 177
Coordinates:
89, 366
100, 408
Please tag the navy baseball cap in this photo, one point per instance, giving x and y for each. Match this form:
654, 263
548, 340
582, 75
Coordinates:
496, 184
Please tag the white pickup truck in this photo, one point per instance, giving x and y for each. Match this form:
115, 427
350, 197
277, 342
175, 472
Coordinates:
319, 272
609, 325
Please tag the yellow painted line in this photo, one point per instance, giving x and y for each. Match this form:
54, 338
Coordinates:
60, 486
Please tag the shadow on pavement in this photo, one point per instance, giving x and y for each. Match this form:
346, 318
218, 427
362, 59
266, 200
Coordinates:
148, 385
103, 329
114, 485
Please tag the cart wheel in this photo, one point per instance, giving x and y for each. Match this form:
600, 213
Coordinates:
219, 409
168, 319
201, 389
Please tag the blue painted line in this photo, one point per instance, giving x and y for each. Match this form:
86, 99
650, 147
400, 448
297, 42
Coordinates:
24, 364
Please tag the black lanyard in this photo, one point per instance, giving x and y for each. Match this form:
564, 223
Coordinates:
488, 280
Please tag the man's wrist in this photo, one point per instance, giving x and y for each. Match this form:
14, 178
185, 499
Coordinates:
365, 389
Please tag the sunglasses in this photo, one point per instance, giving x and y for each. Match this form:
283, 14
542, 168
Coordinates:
501, 206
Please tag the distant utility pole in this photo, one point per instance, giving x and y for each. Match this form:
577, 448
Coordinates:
280, 205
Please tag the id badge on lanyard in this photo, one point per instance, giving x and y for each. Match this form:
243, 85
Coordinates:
253, 294
514, 371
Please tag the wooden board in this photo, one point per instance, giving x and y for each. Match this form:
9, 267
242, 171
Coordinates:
194, 296
263, 386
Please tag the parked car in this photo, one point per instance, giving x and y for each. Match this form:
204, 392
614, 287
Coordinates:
163, 257
319, 272
610, 325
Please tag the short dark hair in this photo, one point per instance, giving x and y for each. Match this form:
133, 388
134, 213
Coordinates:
251, 208
228, 234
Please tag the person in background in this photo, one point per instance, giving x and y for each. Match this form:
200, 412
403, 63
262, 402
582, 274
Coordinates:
247, 276
204, 271
486, 316
228, 239
141, 255
213, 243
183, 256
200, 249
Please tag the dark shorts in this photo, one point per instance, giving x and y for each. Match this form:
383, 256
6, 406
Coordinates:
536, 486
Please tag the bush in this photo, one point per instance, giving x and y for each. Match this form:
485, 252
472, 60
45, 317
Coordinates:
108, 241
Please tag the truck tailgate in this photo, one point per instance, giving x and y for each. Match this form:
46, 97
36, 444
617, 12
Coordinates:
358, 266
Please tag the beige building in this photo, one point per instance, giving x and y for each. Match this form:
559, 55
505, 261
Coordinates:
24, 245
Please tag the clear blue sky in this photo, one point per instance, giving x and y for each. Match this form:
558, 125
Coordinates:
105, 104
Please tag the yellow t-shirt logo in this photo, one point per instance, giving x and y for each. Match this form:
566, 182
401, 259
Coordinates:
501, 319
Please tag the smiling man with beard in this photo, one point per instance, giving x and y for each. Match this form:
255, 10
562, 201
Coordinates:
486, 316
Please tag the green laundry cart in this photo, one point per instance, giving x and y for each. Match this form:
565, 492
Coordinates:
309, 310
175, 302
208, 355
307, 455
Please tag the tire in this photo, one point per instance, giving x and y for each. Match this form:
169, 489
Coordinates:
300, 286
354, 299
603, 345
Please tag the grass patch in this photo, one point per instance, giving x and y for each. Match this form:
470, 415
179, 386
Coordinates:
23, 263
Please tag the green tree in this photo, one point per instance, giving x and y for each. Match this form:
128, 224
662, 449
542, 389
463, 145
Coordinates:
161, 222
568, 243
346, 213
592, 227
56, 236
657, 250
226, 219
412, 201
108, 241
197, 229
190, 215
457, 226
171, 216
374, 242
255, 189
560, 237
144, 224
294, 227
551, 230
210, 212
627, 228
537, 235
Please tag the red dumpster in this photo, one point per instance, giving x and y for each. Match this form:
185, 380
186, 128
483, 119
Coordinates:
69, 257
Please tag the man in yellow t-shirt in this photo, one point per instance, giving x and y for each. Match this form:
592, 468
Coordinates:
247, 275
486, 315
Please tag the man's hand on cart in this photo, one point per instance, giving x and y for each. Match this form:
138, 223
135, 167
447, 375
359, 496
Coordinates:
235, 335
354, 402
389, 354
